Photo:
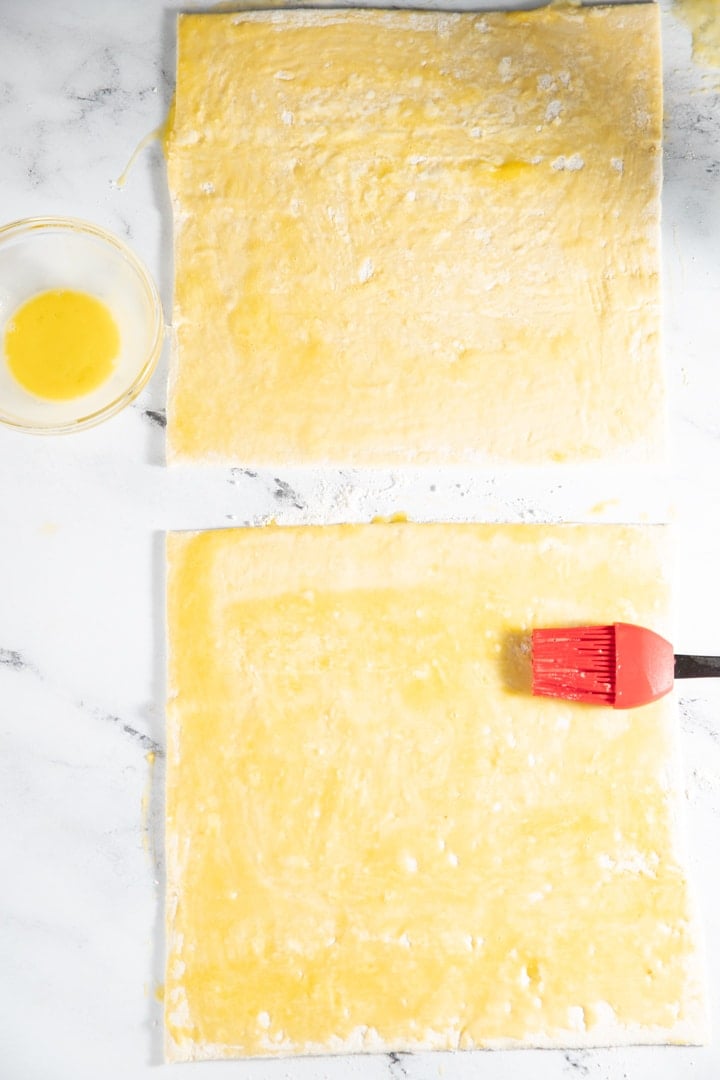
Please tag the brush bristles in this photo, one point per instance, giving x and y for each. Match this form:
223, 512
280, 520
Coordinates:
577, 663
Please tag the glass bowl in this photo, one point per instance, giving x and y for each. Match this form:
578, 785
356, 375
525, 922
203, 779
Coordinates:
40, 254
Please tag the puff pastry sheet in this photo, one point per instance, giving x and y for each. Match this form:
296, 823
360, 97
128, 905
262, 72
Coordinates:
376, 838
415, 237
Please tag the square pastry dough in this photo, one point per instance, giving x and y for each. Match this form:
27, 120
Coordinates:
377, 839
416, 237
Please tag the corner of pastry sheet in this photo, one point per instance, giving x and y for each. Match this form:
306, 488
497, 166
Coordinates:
178, 1042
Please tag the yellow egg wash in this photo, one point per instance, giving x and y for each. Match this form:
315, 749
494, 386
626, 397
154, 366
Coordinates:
162, 133
376, 837
480, 137
61, 344
702, 17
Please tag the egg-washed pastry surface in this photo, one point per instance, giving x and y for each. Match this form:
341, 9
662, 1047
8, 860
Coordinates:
416, 237
377, 839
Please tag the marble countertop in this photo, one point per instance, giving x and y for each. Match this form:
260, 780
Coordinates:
81, 573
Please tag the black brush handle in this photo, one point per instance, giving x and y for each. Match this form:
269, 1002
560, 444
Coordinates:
697, 667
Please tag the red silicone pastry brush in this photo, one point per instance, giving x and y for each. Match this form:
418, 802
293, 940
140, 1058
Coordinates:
620, 665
